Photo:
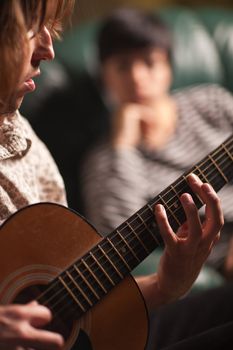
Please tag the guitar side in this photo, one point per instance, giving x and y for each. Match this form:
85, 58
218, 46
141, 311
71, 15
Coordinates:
42, 240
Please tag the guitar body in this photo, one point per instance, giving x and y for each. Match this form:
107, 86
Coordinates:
38, 243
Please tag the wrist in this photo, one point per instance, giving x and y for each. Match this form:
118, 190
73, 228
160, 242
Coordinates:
153, 293
165, 296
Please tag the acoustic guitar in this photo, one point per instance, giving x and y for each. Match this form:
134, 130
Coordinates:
50, 253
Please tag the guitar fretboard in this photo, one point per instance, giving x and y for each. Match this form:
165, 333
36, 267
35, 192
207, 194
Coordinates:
90, 278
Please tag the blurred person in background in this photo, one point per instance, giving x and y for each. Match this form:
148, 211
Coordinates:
156, 135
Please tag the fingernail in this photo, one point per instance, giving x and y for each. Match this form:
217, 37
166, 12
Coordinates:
160, 207
194, 176
207, 187
186, 197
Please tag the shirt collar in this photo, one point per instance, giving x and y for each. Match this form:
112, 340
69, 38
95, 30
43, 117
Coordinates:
14, 141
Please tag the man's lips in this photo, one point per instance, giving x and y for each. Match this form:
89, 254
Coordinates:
30, 85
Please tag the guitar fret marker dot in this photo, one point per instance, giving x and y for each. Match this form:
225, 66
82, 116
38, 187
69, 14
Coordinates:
123, 250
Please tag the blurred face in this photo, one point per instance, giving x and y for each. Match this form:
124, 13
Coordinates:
39, 48
138, 76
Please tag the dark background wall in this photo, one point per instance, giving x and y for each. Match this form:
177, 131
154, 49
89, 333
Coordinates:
88, 9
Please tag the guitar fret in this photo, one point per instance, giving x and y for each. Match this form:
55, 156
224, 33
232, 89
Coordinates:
86, 281
113, 265
181, 185
195, 196
177, 188
147, 216
119, 254
201, 172
101, 267
138, 238
226, 150
150, 208
72, 294
131, 250
226, 165
148, 229
79, 289
103, 260
93, 275
123, 250
176, 204
170, 211
218, 168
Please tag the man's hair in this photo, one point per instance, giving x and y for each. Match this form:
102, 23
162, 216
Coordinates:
129, 29
17, 17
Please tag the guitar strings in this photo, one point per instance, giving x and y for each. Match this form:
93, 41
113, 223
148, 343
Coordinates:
69, 300
143, 230
71, 282
56, 294
109, 275
65, 306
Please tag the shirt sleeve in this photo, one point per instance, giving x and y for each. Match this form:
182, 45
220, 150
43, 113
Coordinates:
215, 104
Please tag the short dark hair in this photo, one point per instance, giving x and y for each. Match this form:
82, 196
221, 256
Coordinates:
130, 29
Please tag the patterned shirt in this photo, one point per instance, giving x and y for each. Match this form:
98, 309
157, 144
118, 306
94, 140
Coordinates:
28, 173
116, 183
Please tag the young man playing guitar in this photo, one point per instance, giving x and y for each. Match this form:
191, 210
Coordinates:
29, 175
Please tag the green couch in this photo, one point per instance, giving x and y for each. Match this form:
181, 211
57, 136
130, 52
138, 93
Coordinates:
68, 110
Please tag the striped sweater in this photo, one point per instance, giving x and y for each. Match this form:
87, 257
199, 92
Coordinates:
116, 183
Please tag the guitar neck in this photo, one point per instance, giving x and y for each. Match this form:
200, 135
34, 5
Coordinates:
105, 265
138, 236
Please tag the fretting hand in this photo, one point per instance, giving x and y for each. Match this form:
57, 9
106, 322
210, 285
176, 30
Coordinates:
187, 250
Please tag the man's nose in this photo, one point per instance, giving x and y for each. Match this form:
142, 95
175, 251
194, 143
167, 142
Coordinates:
44, 49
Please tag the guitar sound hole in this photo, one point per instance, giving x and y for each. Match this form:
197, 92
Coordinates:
58, 325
